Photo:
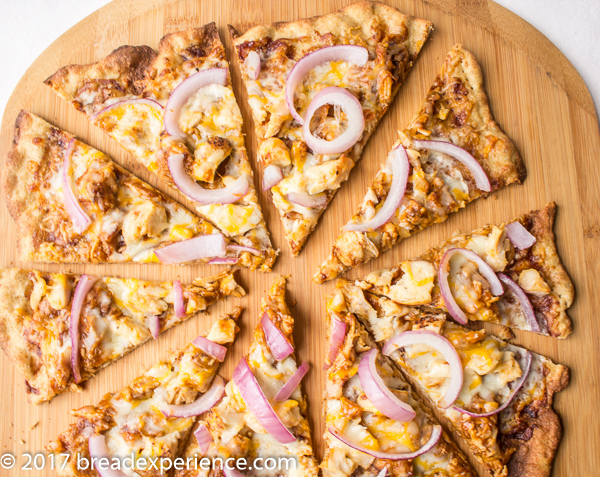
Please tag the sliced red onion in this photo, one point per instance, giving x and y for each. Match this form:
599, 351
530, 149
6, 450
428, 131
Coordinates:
354, 112
271, 176
523, 300
307, 200
211, 348
203, 437
204, 403
400, 171
178, 303
243, 248
190, 188
444, 270
252, 65
182, 93
259, 405
436, 433
336, 340
278, 344
84, 285
146, 101
441, 345
526, 367
519, 235
224, 261
80, 219
202, 246
290, 386
481, 179
98, 450
154, 326
357, 55
384, 400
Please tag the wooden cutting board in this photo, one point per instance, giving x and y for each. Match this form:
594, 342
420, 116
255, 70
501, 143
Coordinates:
535, 94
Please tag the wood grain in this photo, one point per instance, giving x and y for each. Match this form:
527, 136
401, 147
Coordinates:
537, 97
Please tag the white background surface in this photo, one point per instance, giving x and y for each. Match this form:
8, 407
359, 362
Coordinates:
27, 27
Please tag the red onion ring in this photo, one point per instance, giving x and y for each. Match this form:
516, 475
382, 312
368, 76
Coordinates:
523, 300
98, 450
223, 261
242, 248
307, 200
146, 101
204, 403
203, 437
272, 176
444, 270
444, 347
202, 246
350, 53
259, 405
400, 171
210, 348
336, 340
178, 302
278, 344
436, 433
231, 472
481, 179
354, 112
252, 65
80, 219
191, 189
182, 93
384, 400
154, 326
291, 384
519, 235
84, 285
528, 358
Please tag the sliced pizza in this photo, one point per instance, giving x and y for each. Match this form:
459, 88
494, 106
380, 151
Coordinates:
495, 396
175, 111
60, 329
509, 274
143, 428
452, 153
71, 203
317, 89
376, 425
262, 419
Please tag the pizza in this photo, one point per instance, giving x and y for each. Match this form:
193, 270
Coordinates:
263, 414
60, 329
376, 425
175, 111
148, 421
509, 274
72, 203
451, 153
317, 88
495, 396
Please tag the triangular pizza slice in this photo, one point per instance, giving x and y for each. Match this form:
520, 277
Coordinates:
317, 88
60, 329
72, 203
376, 425
495, 396
141, 429
509, 274
451, 153
175, 111
261, 424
